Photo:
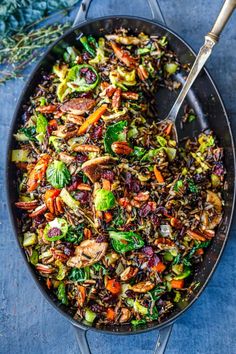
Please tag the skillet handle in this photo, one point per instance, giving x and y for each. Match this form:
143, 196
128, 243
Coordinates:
162, 340
82, 14
81, 336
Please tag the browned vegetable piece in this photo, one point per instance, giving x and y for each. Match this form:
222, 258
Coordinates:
78, 106
210, 221
63, 132
75, 119
116, 98
196, 235
123, 55
47, 109
27, 205
128, 273
130, 95
143, 287
93, 168
125, 315
87, 253
121, 148
142, 196
66, 158
86, 148
38, 211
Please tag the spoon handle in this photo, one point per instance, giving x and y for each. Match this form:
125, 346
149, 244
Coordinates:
205, 51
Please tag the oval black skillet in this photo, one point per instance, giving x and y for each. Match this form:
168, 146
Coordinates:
207, 103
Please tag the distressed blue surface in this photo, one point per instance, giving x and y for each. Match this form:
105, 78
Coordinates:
28, 324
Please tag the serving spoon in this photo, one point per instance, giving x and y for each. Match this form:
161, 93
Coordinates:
204, 53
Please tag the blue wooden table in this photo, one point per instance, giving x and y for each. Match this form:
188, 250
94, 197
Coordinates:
28, 324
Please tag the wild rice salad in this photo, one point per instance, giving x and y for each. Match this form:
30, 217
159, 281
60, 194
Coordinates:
113, 214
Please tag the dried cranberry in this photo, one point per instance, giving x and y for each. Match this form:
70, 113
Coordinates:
145, 210
68, 251
218, 169
155, 219
83, 197
81, 158
153, 261
130, 294
54, 231
90, 77
97, 132
101, 238
109, 175
86, 56
49, 130
132, 184
73, 186
148, 251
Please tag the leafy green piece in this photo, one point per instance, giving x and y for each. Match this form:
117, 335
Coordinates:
20, 155
79, 275
69, 200
154, 315
138, 151
156, 293
161, 141
143, 51
34, 258
98, 266
76, 78
41, 124
55, 142
197, 246
178, 185
125, 241
163, 41
151, 154
61, 270
100, 54
104, 200
29, 132
140, 308
186, 273
205, 141
70, 55
115, 132
138, 322
74, 234
42, 101
61, 294
58, 174
192, 186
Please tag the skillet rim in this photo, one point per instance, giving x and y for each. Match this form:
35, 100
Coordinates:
76, 324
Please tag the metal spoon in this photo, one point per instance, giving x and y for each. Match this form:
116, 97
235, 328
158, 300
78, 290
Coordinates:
205, 51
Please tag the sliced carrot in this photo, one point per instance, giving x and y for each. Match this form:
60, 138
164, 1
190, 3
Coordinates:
92, 119
82, 295
142, 73
158, 175
107, 216
106, 184
51, 193
37, 173
110, 314
160, 267
113, 286
200, 251
177, 284
48, 283
168, 129
53, 123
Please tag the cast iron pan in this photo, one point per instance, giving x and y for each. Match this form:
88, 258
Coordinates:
208, 105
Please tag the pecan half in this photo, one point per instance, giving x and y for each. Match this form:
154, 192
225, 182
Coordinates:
142, 196
93, 168
78, 106
75, 119
66, 158
62, 132
125, 315
38, 211
27, 205
128, 273
121, 148
47, 109
86, 148
84, 187
143, 287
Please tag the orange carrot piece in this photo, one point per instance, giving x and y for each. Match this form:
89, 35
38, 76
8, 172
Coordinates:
51, 193
107, 216
177, 284
106, 184
53, 123
123, 55
200, 251
113, 286
37, 173
48, 283
168, 129
110, 314
92, 119
158, 175
160, 267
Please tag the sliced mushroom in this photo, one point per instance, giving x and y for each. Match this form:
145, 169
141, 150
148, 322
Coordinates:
78, 106
92, 168
62, 132
143, 287
211, 221
125, 315
128, 273
87, 253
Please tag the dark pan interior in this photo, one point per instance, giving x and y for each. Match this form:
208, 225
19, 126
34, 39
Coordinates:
207, 103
